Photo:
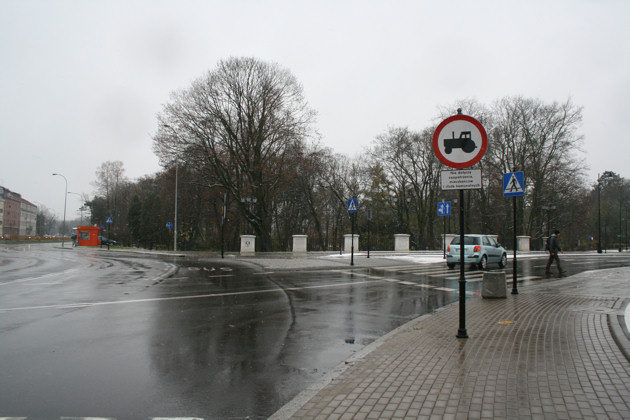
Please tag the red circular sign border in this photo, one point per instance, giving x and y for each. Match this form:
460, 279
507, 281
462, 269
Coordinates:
477, 158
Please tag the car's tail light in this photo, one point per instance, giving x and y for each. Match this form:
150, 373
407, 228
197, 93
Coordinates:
448, 248
477, 248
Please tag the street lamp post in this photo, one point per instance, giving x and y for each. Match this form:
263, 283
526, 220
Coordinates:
65, 199
175, 221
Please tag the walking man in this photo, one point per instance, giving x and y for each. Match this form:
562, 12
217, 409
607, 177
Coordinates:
553, 246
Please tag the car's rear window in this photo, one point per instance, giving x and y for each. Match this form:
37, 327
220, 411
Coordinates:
468, 240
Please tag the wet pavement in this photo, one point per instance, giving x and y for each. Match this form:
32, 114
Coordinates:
555, 350
119, 334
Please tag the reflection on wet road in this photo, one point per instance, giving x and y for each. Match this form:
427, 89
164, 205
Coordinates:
121, 335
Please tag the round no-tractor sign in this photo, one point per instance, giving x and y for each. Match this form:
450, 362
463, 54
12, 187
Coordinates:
460, 141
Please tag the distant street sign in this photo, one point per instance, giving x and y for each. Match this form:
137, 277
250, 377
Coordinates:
352, 205
444, 208
468, 179
513, 184
460, 141
102, 227
169, 225
109, 220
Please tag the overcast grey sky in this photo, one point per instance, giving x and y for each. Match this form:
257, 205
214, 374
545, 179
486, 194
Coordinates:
82, 81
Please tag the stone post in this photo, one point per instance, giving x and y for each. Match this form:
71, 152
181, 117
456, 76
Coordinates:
401, 242
523, 243
347, 243
248, 244
299, 244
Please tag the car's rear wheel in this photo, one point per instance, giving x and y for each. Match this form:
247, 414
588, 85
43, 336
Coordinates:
483, 264
503, 261
450, 266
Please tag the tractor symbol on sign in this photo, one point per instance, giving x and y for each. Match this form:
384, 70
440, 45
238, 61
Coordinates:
464, 142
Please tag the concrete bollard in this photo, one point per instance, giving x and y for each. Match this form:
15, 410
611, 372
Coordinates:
248, 244
493, 285
347, 243
299, 244
401, 242
523, 243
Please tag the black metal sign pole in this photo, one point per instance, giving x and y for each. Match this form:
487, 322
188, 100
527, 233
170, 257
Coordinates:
444, 237
461, 332
223, 223
514, 279
369, 217
352, 216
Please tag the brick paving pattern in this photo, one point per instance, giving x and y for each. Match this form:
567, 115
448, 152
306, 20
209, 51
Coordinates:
532, 355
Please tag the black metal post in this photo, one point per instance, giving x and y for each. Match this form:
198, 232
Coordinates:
514, 279
620, 235
599, 217
352, 217
369, 218
461, 332
341, 236
444, 237
223, 223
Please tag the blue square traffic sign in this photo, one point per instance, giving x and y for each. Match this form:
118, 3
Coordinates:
513, 184
352, 205
444, 208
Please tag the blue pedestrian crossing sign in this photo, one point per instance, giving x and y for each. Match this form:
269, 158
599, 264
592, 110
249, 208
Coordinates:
109, 220
352, 205
444, 208
169, 225
513, 184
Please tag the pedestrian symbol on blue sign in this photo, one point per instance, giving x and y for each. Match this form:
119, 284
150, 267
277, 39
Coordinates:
352, 205
513, 184
169, 225
109, 220
444, 208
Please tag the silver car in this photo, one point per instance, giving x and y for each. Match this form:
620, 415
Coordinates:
479, 250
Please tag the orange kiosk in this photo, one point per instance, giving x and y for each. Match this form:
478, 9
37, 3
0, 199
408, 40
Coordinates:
88, 235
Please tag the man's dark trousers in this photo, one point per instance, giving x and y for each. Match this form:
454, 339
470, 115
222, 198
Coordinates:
553, 256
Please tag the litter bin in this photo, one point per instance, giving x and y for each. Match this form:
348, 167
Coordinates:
493, 285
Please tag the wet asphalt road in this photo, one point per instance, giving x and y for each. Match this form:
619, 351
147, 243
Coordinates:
86, 333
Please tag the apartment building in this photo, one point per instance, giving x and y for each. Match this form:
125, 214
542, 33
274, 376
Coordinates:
28, 218
17, 216
12, 206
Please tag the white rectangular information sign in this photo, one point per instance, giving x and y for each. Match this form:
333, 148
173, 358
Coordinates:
464, 179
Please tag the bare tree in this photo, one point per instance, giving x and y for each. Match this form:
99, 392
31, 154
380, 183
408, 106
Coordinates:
238, 122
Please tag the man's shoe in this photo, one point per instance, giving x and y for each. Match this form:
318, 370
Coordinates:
547, 273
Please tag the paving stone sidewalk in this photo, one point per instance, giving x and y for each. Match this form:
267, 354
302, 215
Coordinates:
547, 352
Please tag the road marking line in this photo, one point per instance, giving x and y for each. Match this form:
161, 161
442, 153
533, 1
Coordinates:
164, 299
40, 277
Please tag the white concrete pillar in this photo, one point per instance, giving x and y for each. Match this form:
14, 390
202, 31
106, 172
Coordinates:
347, 242
449, 238
248, 244
401, 242
299, 243
523, 243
